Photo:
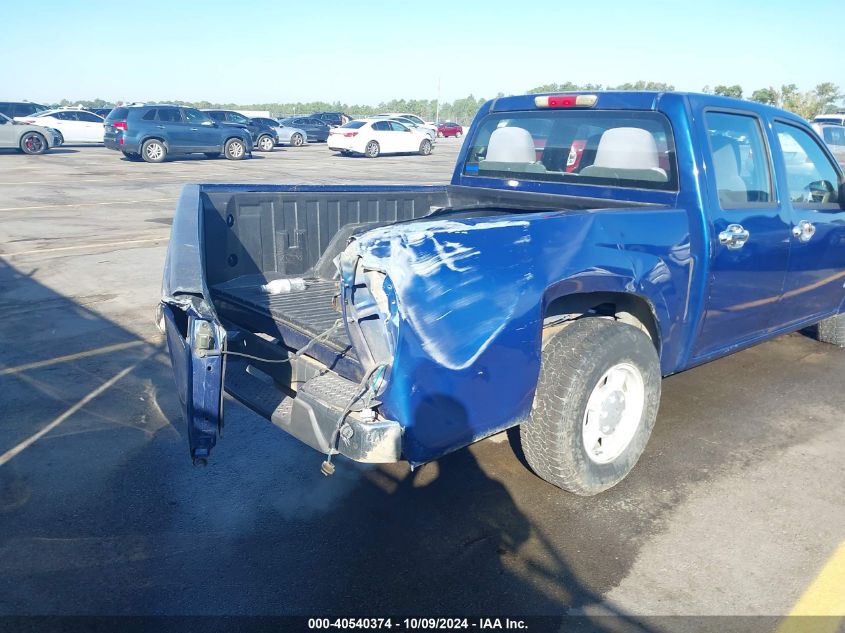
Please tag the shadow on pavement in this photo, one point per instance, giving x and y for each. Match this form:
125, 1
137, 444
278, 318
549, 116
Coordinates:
104, 514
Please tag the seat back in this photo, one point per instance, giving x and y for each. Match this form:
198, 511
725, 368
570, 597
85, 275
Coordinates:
730, 185
626, 153
511, 149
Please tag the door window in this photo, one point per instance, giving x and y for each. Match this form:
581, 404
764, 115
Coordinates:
397, 127
811, 177
834, 135
739, 159
381, 126
195, 116
88, 117
169, 115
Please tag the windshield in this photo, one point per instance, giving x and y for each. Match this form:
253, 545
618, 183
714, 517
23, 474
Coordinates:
608, 148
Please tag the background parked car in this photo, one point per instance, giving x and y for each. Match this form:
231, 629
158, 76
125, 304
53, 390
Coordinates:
414, 119
837, 118
430, 131
152, 132
333, 119
263, 136
316, 129
30, 139
76, 126
449, 128
20, 108
372, 137
285, 134
103, 112
834, 136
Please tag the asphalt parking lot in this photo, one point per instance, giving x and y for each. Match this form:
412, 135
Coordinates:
734, 509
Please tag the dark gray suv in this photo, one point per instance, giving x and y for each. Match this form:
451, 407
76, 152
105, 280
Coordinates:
152, 132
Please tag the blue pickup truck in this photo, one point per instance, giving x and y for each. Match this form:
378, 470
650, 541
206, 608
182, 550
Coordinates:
587, 246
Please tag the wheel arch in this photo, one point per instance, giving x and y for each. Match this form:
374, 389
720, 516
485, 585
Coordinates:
625, 307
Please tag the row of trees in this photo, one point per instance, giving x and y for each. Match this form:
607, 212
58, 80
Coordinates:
825, 97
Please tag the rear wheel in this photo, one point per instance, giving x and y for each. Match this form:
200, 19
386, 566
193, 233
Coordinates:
372, 149
296, 139
234, 149
265, 143
595, 405
425, 148
153, 151
212, 154
33, 143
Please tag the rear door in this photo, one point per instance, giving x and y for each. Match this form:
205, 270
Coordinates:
8, 133
750, 232
92, 126
814, 281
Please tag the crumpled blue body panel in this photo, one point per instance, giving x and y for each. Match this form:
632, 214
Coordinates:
472, 294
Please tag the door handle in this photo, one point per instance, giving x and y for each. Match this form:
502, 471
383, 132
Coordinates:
803, 231
160, 127
734, 237
194, 129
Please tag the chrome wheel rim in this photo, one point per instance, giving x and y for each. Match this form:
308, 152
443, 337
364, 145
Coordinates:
154, 151
372, 149
236, 149
266, 143
33, 142
614, 412
297, 140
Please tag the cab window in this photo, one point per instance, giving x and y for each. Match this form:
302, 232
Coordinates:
739, 161
810, 175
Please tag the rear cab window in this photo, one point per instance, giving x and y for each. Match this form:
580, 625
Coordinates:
630, 149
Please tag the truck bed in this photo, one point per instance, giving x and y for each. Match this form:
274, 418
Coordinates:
309, 311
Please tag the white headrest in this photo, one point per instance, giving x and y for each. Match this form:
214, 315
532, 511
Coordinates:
511, 145
627, 148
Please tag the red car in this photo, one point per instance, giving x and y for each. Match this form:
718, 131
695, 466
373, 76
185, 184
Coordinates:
449, 128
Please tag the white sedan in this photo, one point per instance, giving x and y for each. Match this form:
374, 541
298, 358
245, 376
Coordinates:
76, 126
372, 137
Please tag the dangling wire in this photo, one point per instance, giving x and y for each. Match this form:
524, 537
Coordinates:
327, 468
337, 325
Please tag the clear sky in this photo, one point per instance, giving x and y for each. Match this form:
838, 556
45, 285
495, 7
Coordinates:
366, 52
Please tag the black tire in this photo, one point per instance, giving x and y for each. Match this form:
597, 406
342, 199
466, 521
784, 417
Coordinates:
265, 143
33, 143
372, 149
296, 140
425, 147
212, 154
132, 156
832, 330
234, 149
574, 365
153, 151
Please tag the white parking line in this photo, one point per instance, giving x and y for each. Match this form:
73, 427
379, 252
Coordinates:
39, 251
87, 204
32, 439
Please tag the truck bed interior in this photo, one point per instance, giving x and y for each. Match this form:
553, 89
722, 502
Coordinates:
252, 237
